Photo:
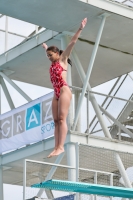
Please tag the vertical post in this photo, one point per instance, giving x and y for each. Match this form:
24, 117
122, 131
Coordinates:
36, 29
91, 197
1, 183
89, 69
111, 183
87, 111
119, 133
64, 43
6, 33
77, 166
24, 179
0, 98
77, 96
95, 181
71, 161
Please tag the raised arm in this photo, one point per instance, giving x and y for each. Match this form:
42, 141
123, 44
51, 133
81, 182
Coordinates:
44, 46
73, 41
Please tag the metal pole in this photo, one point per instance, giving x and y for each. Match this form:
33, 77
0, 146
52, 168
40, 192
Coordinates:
71, 161
89, 71
91, 197
111, 183
51, 173
0, 98
119, 133
1, 183
77, 96
8, 97
64, 43
6, 33
113, 97
36, 29
122, 170
77, 166
92, 97
24, 179
95, 181
87, 112
16, 87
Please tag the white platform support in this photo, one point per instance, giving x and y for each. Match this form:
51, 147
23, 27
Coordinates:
6, 33
16, 87
6, 92
0, 98
71, 161
1, 183
24, 179
77, 96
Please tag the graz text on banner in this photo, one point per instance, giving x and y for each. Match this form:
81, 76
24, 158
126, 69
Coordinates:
27, 124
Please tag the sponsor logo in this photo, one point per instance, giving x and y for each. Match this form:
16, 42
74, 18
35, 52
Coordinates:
33, 117
47, 127
39, 114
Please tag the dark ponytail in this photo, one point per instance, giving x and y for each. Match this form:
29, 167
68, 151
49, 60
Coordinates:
55, 49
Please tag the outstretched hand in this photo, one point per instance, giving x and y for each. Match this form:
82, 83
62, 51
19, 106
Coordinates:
83, 23
44, 46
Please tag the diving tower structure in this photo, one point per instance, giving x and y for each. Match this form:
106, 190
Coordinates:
103, 52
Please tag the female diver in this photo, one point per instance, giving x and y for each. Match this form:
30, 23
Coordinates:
62, 93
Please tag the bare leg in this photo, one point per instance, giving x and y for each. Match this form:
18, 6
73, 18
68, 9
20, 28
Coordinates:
63, 107
55, 116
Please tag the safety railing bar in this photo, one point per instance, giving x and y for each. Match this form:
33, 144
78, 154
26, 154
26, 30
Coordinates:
51, 164
98, 93
101, 172
113, 95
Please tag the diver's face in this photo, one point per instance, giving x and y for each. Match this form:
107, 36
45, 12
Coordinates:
53, 57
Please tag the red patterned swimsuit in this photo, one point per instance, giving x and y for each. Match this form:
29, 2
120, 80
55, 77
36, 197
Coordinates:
56, 78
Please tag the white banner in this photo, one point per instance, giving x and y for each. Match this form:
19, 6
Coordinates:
27, 124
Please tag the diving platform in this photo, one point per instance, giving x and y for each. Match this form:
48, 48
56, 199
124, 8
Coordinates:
85, 188
28, 59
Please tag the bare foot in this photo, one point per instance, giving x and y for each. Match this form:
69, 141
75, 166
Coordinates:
58, 152
50, 155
